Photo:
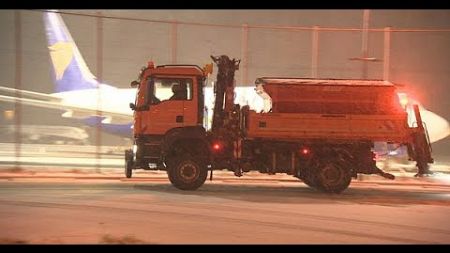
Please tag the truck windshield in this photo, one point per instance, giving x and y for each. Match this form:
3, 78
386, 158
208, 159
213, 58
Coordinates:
171, 89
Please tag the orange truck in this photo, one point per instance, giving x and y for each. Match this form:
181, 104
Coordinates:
321, 131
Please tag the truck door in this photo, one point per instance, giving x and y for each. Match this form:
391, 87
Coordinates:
191, 106
167, 103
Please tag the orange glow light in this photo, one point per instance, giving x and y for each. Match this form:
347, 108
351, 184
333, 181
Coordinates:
403, 99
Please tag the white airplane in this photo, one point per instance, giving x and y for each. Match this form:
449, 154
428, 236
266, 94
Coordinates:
81, 96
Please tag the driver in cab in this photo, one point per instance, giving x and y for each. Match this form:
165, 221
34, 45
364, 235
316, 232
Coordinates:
179, 92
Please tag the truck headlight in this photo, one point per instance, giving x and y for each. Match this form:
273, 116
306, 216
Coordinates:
134, 152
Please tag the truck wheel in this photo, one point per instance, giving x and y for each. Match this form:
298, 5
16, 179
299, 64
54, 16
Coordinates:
333, 178
187, 173
129, 163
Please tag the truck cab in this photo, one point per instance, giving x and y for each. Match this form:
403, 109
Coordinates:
168, 117
176, 90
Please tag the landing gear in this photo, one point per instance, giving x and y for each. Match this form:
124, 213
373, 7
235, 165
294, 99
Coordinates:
187, 173
129, 163
423, 169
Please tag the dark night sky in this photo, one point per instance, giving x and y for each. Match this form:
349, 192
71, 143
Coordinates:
419, 60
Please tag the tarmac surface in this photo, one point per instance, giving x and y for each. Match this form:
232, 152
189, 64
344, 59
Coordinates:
68, 195
98, 208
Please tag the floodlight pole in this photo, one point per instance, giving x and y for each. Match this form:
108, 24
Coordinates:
365, 42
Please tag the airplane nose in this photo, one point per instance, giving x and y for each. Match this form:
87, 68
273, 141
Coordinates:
438, 127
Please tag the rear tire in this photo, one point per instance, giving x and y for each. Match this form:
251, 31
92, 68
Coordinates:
333, 178
187, 173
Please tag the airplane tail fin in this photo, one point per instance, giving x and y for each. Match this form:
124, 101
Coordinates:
70, 71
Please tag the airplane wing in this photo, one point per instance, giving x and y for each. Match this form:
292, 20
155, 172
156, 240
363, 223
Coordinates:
29, 94
52, 102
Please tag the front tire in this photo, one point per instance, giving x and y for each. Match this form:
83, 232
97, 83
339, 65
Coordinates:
187, 173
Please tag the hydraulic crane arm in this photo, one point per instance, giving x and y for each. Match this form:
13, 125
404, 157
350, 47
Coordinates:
223, 89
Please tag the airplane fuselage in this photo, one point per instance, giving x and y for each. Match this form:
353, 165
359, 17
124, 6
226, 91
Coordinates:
105, 98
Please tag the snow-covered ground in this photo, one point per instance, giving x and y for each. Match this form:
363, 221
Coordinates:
76, 199
107, 208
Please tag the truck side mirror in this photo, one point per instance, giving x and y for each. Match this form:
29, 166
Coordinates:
140, 108
134, 84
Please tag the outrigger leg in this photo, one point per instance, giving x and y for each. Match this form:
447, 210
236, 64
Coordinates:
422, 147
